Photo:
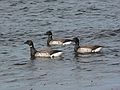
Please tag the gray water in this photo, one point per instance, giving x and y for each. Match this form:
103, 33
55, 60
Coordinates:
93, 21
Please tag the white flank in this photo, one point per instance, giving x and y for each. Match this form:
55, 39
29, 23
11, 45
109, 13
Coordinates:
55, 43
67, 43
97, 49
56, 54
42, 55
84, 50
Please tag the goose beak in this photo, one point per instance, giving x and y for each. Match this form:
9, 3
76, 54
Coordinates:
45, 34
25, 42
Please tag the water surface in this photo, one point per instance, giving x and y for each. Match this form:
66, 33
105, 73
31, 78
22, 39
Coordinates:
93, 21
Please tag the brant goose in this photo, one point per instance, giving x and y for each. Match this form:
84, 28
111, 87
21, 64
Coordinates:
48, 53
87, 48
52, 41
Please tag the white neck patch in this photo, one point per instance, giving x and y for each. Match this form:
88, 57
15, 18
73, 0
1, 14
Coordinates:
30, 45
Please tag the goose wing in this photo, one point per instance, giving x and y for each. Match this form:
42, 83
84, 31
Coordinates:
92, 47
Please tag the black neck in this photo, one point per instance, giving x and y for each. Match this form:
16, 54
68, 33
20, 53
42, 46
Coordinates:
76, 46
49, 39
32, 51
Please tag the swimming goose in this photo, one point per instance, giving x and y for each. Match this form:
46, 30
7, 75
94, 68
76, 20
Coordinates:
52, 41
49, 53
87, 48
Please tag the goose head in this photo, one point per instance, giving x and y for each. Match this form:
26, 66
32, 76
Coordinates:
48, 33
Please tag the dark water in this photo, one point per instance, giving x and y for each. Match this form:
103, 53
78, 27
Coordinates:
93, 21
